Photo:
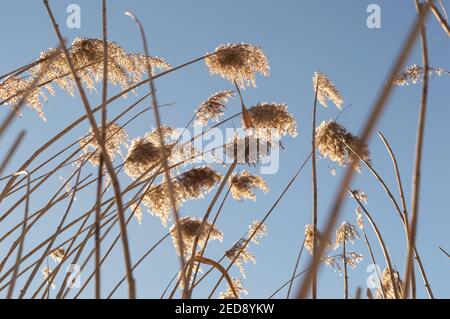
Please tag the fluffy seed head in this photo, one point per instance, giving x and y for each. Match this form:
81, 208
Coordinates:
189, 227
309, 239
333, 141
213, 107
388, 285
256, 231
415, 74
242, 185
116, 137
238, 63
326, 90
193, 184
238, 287
244, 257
58, 254
346, 232
272, 120
124, 69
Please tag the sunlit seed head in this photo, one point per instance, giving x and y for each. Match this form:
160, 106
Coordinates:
13, 89
115, 138
309, 239
189, 227
415, 74
242, 185
238, 63
359, 218
124, 68
238, 287
192, 184
336, 143
326, 90
58, 254
346, 233
352, 259
388, 286
256, 231
272, 119
244, 257
213, 107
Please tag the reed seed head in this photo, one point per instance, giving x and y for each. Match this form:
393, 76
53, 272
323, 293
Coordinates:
333, 141
189, 227
242, 185
244, 257
415, 74
124, 69
326, 90
272, 120
309, 239
346, 232
256, 231
213, 107
58, 254
238, 287
238, 63
115, 138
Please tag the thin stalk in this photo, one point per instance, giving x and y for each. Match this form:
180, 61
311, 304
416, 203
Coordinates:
344, 260
417, 174
314, 186
163, 151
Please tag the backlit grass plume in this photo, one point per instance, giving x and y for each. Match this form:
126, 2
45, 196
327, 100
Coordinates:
124, 68
309, 238
388, 286
238, 63
238, 287
326, 90
242, 185
339, 145
415, 74
193, 184
213, 107
272, 119
189, 227
115, 138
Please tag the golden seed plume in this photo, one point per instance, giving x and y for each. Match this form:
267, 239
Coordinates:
258, 230
244, 257
346, 232
309, 238
415, 74
124, 69
193, 184
58, 254
116, 137
238, 287
388, 286
238, 63
326, 90
242, 185
213, 107
189, 227
272, 119
333, 141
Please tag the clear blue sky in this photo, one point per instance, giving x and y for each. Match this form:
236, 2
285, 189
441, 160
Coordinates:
299, 37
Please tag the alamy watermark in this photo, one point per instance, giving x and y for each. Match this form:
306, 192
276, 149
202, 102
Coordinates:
374, 19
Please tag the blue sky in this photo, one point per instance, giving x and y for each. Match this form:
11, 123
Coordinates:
299, 38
